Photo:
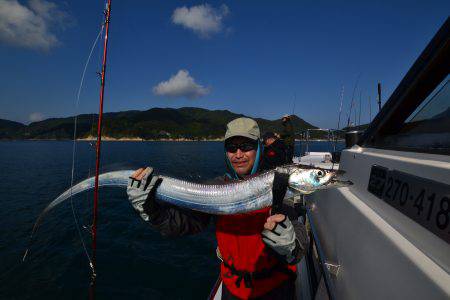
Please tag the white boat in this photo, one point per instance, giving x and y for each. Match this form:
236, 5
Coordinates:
388, 235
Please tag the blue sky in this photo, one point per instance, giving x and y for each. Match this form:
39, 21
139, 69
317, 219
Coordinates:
250, 57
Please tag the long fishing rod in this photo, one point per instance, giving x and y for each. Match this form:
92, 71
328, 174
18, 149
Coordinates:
336, 136
360, 107
379, 96
353, 99
340, 108
98, 147
293, 104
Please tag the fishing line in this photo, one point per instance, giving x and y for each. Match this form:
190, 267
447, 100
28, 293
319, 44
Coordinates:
39, 219
75, 217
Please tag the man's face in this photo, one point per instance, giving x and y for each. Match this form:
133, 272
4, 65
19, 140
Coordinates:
242, 161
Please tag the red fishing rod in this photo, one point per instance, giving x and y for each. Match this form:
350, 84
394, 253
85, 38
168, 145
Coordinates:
98, 149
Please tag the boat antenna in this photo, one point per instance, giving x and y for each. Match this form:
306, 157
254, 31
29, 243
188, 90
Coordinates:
379, 96
370, 109
107, 13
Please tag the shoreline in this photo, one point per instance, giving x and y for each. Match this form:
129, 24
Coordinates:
135, 139
129, 139
111, 139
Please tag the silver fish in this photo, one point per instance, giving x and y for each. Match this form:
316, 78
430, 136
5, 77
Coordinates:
220, 199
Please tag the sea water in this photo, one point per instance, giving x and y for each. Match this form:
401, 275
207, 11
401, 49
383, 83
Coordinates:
133, 261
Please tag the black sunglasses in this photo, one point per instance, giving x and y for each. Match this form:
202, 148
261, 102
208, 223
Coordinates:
244, 147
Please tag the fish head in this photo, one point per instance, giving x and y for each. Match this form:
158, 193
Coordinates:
307, 181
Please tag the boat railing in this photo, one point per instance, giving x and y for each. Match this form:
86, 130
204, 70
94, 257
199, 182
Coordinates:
318, 269
315, 257
332, 136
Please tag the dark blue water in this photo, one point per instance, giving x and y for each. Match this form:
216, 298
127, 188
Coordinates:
133, 261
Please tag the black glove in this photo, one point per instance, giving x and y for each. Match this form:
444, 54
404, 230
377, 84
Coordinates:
140, 191
282, 239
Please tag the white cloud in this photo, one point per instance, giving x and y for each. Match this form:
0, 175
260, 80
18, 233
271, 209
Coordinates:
181, 85
30, 26
36, 117
203, 19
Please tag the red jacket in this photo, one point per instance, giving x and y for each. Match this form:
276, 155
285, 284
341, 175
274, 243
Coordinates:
242, 249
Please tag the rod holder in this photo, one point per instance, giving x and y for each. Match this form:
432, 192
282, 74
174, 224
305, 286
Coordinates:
352, 138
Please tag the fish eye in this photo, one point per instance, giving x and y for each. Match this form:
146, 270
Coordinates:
320, 173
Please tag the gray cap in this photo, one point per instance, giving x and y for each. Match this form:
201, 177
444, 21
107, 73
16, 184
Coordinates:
245, 127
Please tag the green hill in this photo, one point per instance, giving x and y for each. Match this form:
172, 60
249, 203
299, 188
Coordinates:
155, 123
10, 129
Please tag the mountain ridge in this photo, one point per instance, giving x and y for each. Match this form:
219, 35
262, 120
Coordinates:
186, 123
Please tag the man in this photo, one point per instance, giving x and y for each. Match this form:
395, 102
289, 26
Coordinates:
274, 151
258, 250
288, 136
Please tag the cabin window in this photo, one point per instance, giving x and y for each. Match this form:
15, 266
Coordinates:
427, 129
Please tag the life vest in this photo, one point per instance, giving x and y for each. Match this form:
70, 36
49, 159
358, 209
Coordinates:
271, 153
249, 268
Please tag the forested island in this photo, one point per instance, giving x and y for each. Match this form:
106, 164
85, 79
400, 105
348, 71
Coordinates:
187, 123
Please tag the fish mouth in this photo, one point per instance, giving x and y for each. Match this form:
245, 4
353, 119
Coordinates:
338, 180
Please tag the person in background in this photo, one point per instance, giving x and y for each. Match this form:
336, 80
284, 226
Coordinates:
288, 136
274, 151
259, 250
